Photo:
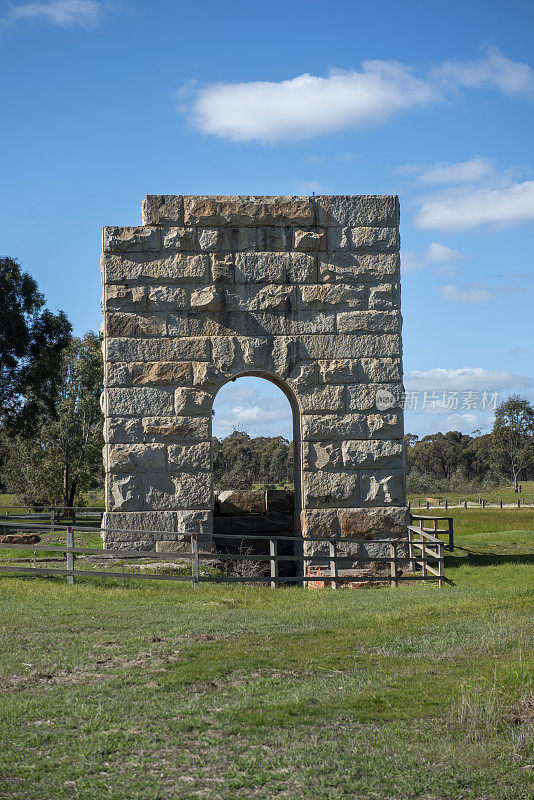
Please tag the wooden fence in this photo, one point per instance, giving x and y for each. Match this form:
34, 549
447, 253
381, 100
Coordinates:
421, 552
435, 529
480, 503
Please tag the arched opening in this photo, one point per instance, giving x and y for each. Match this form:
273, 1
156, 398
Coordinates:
256, 464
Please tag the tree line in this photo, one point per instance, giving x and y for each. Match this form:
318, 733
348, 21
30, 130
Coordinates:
51, 424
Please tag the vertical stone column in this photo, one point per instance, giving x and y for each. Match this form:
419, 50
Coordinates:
304, 291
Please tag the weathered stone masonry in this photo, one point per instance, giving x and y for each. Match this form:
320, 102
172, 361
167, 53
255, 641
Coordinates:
302, 290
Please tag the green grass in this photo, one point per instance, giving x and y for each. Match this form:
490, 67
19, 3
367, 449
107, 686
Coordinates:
115, 689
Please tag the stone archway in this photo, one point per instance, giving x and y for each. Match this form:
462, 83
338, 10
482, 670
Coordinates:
304, 291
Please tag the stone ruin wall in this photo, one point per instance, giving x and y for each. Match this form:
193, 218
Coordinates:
302, 290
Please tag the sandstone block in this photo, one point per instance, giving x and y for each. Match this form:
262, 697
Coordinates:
222, 268
273, 238
207, 299
357, 211
381, 487
344, 267
247, 210
241, 502
179, 545
164, 521
180, 239
146, 268
323, 398
303, 377
168, 297
322, 456
377, 397
331, 489
319, 522
207, 376
124, 297
181, 429
190, 402
163, 209
192, 491
157, 491
326, 296
189, 521
279, 501
339, 371
309, 240
117, 375
261, 267
359, 522
384, 296
364, 239
123, 430
122, 349
136, 458
135, 325
318, 427
139, 402
381, 369
373, 453
123, 240
385, 425
349, 346
190, 457
126, 494
162, 372
373, 321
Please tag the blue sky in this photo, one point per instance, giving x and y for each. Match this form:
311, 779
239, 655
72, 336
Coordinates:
105, 102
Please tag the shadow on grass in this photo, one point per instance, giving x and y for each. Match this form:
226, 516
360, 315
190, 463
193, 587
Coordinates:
480, 559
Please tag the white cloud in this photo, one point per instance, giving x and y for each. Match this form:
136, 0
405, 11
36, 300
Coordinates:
311, 105
472, 294
461, 209
439, 254
410, 261
447, 174
464, 379
493, 70
62, 13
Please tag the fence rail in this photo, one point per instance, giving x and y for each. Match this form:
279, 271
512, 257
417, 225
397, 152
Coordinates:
421, 551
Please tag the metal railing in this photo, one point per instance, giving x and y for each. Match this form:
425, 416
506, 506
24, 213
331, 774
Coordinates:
421, 553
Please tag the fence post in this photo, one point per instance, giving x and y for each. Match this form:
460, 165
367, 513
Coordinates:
410, 550
446, 504
501, 502
519, 503
52, 520
194, 560
451, 533
427, 505
393, 565
483, 505
273, 551
333, 562
441, 565
70, 556
419, 502
423, 557
465, 504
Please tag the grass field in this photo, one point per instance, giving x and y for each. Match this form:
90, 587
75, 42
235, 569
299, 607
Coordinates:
504, 493
115, 690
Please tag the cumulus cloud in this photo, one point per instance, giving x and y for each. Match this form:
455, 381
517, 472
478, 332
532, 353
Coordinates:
459, 210
472, 294
464, 379
311, 105
439, 254
61, 13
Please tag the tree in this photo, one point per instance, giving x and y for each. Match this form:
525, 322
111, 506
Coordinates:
513, 435
63, 456
32, 341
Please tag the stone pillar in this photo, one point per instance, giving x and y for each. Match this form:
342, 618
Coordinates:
304, 291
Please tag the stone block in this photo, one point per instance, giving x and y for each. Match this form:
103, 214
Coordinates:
261, 267
222, 268
381, 523
385, 425
139, 401
357, 211
382, 487
301, 268
319, 522
273, 238
163, 209
339, 371
331, 489
136, 458
243, 210
207, 299
157, 491
322, 456
184, 239
384, 296
303, 377
126, 493
323, 398
376, 397
161, 373
192, 402
343, 267
187, 522
318, 427
179, 545
381, 369
327, 296
117, 375
207, 376
117, 297
279, 501
125, 430
345, 346
192, 349
364, 239
192, 491
189, 458
181, 429
241, 502
124, 240
143, 325
146, 268
384, 454
168, 297
309, 240
373, 321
